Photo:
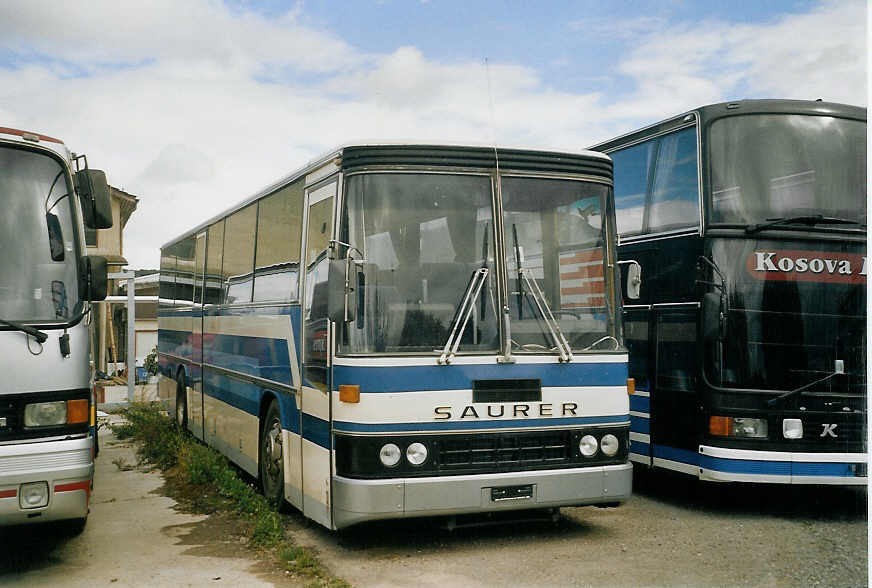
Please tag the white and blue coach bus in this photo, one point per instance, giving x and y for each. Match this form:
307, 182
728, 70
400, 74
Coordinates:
408, 330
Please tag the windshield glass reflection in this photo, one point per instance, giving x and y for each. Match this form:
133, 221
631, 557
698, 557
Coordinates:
38, 281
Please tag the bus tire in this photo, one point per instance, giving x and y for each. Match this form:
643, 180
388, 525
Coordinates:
181, 416
271, 462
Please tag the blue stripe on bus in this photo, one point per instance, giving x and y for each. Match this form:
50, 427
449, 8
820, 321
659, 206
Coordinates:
316, 430
460, 377
845, 470
349, 427
247, 397
639, 424
755, 467
675, 454
640, 403
639, 447
256, 356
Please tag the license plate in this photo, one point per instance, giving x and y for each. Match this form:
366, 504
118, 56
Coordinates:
512, 492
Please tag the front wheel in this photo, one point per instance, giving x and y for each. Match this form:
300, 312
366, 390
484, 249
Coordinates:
272, 463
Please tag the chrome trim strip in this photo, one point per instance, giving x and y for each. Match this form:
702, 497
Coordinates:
676, 304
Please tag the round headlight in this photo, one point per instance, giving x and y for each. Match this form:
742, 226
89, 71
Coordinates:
609, 444
389, 455
587, 445
416, 453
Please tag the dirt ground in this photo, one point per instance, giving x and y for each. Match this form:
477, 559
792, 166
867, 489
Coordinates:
669, 534
672, 532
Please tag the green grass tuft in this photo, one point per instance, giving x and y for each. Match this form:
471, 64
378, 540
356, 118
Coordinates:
217, 486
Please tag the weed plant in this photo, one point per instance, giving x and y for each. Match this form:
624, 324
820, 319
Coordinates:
218, 486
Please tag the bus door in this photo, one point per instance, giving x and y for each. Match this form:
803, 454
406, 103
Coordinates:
675, 402
316, 338
637, 334
196, 418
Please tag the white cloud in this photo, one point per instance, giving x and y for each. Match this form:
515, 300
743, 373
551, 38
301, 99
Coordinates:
192, 106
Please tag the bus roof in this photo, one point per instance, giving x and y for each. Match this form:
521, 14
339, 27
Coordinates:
28, 135
359, 156
706, 114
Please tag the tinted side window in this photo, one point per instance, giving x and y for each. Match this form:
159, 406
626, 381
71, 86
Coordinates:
279, 222
214, 254
631, 183
675, 194
239, 254
167, 286
185, 271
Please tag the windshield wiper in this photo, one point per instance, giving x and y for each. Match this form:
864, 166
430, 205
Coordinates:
461, 316
35, 333
840, 370
808, 219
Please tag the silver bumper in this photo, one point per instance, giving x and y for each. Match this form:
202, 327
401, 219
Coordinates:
65, 466
356, 501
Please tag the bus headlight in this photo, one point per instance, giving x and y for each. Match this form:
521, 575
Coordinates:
738, 427
609, 444
45, 414
416, 453
389, 455
587, 445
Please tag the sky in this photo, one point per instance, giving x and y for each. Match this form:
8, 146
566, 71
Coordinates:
195, 105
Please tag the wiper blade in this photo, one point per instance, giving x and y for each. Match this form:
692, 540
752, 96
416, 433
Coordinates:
35, 333
801, 389
462, 314
810, 219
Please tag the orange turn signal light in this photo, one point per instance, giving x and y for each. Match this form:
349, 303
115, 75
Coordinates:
349, 393
78, 411
631, 386
720, 425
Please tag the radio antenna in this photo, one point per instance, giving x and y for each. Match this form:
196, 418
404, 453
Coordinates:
490, 99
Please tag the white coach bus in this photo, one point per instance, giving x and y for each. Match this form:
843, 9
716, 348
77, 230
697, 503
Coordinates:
47, 433
408, 330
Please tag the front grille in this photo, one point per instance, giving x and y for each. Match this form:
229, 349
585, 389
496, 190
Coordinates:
476, 453
506, 451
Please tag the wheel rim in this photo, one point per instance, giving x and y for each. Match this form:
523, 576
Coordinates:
272, 455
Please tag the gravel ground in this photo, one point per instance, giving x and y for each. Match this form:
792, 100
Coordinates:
673, 532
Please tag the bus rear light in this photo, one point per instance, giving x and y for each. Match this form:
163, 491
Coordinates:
77, 411
631, 386
349, 393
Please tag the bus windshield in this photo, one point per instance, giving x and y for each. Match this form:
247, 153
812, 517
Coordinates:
783, 166
555, 255
422, 237
38, 278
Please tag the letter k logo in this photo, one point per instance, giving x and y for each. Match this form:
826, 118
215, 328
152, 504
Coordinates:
829, 429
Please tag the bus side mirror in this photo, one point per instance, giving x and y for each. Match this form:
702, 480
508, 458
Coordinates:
634, 278
711, 316
342, 299
93, 281
93, 193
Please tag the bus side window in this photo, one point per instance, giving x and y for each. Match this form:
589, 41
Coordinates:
674, 198
279, 222
214, 254
632, 167
239, 259
185, 271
